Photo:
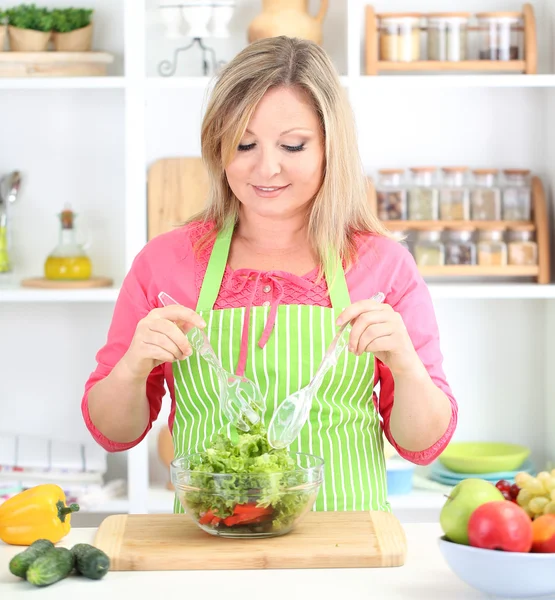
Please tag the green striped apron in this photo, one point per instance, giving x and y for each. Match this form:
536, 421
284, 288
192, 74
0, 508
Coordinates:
343, 426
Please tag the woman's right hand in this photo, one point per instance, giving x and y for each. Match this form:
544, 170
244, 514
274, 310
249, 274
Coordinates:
161, 337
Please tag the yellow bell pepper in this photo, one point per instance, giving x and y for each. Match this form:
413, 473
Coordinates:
37, 513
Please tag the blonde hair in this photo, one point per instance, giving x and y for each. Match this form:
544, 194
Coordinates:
341, 207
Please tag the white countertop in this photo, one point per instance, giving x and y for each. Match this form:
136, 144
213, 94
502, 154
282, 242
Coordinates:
425, 576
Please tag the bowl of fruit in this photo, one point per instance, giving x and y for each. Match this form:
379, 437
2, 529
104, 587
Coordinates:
500, 538
243, 488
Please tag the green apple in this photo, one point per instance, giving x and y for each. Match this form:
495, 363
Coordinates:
463, 499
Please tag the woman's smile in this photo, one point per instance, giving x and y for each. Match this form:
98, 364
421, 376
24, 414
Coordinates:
269, 191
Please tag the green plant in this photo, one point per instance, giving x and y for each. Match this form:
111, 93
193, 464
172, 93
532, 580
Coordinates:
70, 19
29, 16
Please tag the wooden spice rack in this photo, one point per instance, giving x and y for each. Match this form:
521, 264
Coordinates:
528, 66
539, 224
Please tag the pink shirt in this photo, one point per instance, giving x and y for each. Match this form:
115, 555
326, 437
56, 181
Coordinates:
168, 263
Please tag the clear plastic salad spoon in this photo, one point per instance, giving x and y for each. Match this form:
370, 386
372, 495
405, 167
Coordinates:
240, 399
290, 416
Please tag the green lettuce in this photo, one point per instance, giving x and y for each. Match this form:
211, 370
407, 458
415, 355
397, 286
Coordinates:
252, 472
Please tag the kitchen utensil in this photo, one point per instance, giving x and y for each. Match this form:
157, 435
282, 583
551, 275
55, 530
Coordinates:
177, 189
292, 413
500, 574
334, 539
240, 398
483, 457
291, 494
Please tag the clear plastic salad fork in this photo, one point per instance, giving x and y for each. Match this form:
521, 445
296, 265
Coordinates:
240, 399
290, 416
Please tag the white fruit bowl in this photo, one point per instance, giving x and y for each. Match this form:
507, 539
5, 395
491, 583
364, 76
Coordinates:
499, 573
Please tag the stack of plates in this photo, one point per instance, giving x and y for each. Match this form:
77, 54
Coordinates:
442, 474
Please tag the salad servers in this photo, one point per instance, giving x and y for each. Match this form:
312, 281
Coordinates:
290, 416
240, 399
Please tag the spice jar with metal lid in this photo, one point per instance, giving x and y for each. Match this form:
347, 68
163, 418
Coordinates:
447, 36
485, 197
516, 195
492, 249
399, 36
460, 248
501, 35
423, 200
391, 195
454, 196
428, 247
522, 247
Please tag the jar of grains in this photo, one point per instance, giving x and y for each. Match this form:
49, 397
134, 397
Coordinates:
522, 247
428, 247
485, 197
492, 249
423, 200
399, 36
391, 195
517, 195
454, 196
460, 249
501, 35
447, 36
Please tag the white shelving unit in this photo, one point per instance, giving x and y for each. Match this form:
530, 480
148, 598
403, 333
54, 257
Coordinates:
102, 135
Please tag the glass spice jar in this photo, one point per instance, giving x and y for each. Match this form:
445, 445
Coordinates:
428, 247
500, 35
522, 247
517, 195
492, 249
447, 36
391, 195
485, 197
399, 36
423, 200
459, 247
454, 196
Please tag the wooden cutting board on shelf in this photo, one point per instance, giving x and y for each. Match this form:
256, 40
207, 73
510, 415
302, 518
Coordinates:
177, 189
172, 542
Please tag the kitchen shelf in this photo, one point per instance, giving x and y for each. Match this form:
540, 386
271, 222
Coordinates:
435, 81
71, 83
16, 293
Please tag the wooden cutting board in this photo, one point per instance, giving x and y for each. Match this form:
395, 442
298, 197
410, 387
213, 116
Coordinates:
177, 189
171, 542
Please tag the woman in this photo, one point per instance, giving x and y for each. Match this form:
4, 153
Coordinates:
286, 250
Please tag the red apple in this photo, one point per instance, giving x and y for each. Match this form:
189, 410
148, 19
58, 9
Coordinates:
543, 529
500, 525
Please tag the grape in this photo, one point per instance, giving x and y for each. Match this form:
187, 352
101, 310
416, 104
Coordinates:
549, 484
549, 508
521, 477
534, 486
514, 490
503, 485
507, 495
537, 504
543, 475
523, 498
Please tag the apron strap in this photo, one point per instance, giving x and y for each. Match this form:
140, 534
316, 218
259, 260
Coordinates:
215, 271
339, 292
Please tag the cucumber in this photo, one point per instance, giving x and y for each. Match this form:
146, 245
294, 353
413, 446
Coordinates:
50, 567
90, 561
22, 561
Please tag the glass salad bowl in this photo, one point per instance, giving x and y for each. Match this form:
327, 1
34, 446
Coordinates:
239, 493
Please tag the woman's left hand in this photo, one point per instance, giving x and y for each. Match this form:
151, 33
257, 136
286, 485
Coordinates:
378, 329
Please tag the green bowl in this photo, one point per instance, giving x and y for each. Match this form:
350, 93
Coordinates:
483, 457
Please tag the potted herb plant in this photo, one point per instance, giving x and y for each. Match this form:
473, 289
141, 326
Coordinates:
73, 29
29, 28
